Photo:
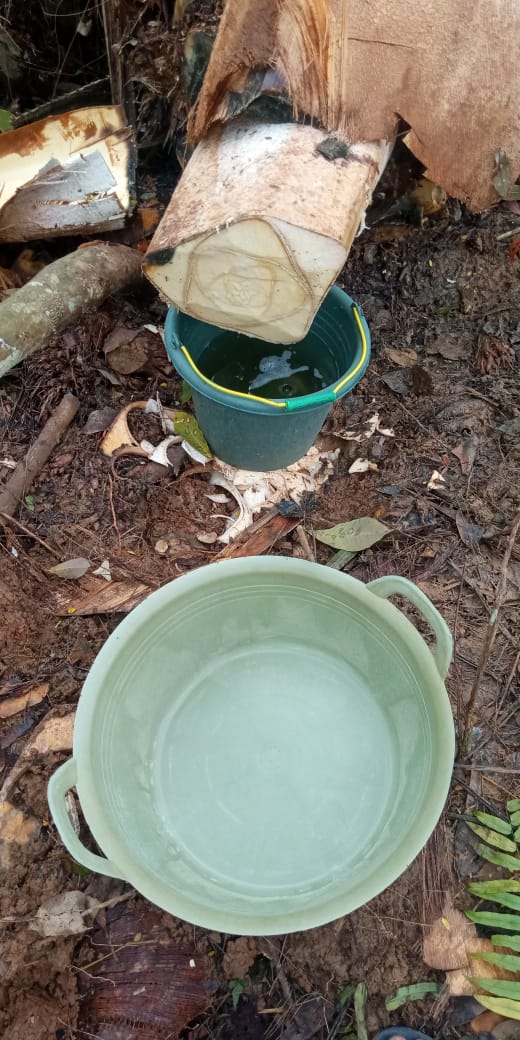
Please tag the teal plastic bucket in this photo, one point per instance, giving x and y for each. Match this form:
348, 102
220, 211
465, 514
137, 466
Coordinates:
261, 434
262, 745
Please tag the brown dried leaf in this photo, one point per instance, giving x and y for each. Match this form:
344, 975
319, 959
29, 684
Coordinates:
99, 420
452, 348
405, 358
63, 914
466, 453
493, 355
12, 704
53, 734
470, 534
129, 350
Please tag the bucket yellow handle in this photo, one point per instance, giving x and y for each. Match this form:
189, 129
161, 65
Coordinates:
321, 397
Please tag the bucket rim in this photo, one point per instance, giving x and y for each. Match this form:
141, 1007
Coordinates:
237, 922
187, 369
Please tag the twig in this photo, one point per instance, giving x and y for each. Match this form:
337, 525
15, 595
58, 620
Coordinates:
485, 769
508, 234
489, 638
31, 534
28, 469
305, 544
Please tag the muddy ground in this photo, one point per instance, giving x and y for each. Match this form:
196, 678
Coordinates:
442, 299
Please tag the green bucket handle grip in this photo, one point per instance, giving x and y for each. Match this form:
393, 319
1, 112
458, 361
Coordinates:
393, 585
60, 783
297, 403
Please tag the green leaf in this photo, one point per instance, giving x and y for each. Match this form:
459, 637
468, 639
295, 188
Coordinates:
501, 1006
186, 426
355, 535
186, 394
516, 834
504, 960
415, 992
346, 995
29, 502
340, 557
6, 120
360, 999
513, 805
489, 888
508, 942
498, 840
237, 988
498, 987
504, 899
515, 818
495, 822
500, 859
492, 920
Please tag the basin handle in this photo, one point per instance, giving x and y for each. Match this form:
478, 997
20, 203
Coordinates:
394, 585
59, 784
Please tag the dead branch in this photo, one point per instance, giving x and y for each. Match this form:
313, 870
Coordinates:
27, 470
59, 294
489, 638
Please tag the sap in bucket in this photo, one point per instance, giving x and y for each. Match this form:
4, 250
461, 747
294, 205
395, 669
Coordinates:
264, 424
262, 745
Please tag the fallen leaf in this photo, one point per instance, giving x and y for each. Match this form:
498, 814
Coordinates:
99, 420
405, 358
514, 248
493, 355
63, 914
103, 571
450, 347
470, 534
417, 991
118, 597
12, 704
188, 428
436, 481
355, 535
466, 453
131, 350
207, 537
53, 734
361, 466
399, 381
71, 570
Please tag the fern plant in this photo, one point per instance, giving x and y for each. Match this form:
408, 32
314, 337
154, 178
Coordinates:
499, 843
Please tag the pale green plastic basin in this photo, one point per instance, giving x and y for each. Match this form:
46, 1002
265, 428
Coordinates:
263, 745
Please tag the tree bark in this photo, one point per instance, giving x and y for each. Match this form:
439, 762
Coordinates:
449, 70
66, 174
59, 294
27, 470
260, 226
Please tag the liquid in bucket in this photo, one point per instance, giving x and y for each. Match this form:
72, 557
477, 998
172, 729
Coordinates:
253, 366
